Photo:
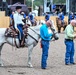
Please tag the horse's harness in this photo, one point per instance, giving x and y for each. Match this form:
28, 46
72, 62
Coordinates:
11, 32
39, 35
53, 32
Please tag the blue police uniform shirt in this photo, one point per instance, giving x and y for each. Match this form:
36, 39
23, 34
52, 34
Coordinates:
31, 17
47, 17
71, 17
61, 16
45, 35
54, 7
75, 17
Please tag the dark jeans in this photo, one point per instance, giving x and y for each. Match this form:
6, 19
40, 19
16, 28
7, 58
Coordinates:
20, 26
45, 48
69, 55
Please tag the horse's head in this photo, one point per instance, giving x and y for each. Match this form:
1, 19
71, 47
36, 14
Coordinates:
54, 31
28, 22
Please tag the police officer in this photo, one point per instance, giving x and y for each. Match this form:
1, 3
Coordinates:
75, 17
61, 17
71, 16
47, 17
53, 9
31, 18
18, 24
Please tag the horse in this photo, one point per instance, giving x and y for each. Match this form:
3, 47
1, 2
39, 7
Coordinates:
60, 25
30, 42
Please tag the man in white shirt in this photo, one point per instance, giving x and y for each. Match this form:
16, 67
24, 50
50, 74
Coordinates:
18, 24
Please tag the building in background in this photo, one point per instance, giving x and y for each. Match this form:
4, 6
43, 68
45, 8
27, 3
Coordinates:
48, 7
71, 6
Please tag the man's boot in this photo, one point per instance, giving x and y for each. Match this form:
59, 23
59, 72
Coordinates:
22, 42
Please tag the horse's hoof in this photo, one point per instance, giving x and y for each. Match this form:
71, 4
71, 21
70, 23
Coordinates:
30, 66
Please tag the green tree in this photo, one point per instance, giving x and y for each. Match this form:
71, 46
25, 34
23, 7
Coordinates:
59, 1
29, 3
40, 2
35, 2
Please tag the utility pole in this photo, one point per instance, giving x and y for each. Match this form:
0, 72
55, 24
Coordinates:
67, 7
32, 5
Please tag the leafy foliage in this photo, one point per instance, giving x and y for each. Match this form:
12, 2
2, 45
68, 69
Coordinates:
40, 2
59, 1
29, 3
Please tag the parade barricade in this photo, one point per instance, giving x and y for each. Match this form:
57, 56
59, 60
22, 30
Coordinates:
4, 22
51, 18
2, 13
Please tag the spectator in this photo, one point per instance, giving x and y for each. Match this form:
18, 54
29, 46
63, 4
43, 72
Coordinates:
71, 16
61, 17
31, 18
47, 17
54, 8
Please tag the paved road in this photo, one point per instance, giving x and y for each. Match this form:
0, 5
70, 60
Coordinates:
15, 61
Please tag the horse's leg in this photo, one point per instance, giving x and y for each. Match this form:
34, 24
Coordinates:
1, 63
30, 48
64, 27
59, 29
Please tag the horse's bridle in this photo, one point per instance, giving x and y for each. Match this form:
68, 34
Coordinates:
53, 31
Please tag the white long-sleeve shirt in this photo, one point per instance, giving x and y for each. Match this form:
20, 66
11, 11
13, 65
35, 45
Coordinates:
17, 19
